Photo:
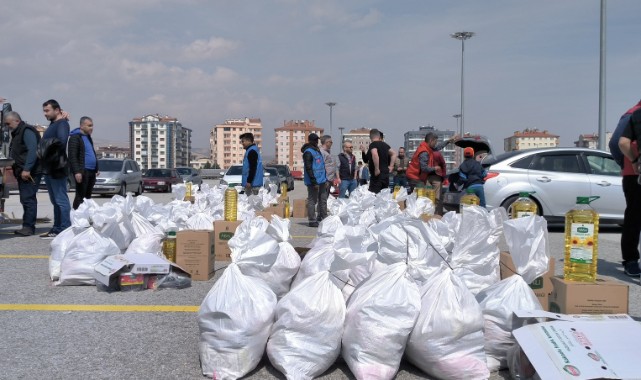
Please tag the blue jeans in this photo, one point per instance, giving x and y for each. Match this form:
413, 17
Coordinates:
57, 188
345, 186
28, 191
480, 192
401, 180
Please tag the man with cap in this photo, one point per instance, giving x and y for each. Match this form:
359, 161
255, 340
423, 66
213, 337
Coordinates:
315, 178
472, 174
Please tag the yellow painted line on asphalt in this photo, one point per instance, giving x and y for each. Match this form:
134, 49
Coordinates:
303, 237
24, 256
100, 308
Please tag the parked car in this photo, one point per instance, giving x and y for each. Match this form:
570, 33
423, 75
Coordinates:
556, 176
285, 176
190, 174
298, 175
118, 177
161, 179
234, 177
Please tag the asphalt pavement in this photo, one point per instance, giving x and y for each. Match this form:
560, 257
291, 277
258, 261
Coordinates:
78, 332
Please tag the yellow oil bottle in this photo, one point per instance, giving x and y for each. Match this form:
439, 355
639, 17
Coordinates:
283, 190
469, 198
421, 191
288, 211
430, 193
524, 206
397, 188
169, 246
231, 204
188, 192
581, 241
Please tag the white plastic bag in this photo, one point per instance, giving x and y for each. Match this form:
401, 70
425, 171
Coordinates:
447, 341
306, 337
150, 243
85, 250
235, 320
288, 261
380, 316
58, 249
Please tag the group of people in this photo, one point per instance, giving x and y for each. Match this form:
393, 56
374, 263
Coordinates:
56, 155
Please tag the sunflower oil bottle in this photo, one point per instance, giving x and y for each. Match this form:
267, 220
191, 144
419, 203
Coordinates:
288, 208
421, 191
283, 190
524, 206
397, 188
469, 199
188, 192
581, 241
430, 193
169, 246
231, 204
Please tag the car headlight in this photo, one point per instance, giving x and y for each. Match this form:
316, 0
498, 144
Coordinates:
160, 183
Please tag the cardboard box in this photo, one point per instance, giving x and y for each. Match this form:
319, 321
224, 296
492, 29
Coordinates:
580, 348
224, 231
195, 253
278, 209
135, 263
605, 296
300, 208
541, 286
401, 205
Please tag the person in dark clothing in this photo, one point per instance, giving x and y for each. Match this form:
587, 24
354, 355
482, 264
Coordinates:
347, 170
629, 146
400, 167
56, 171
252, 179
315, 178
380, 157
82, 160
363, 174
472, 173
24, 143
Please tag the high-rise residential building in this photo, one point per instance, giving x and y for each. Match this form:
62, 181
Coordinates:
113, 152
359, 138
159, 142
224, 140
290, 138
592, 141
414, 138
530, 139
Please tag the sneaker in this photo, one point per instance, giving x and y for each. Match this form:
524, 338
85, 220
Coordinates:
631, 268
313, 224
48, 235
24, 231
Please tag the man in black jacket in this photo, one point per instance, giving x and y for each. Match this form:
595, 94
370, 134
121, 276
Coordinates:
82, 160
24, 143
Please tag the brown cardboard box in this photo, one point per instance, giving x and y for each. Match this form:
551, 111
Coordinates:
427, 217
265, 214
278, 209
223, 231
401, 204
300, 208
195, 253
541, 286
605, 296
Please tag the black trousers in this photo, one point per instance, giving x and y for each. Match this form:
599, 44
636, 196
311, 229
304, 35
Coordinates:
84, 188
378, 183
631, 219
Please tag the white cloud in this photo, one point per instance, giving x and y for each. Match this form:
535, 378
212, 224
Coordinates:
215, 47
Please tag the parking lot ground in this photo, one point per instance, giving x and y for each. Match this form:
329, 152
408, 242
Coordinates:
78, 332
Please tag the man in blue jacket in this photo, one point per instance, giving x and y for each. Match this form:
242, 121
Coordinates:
252, 165
315, 178
82, 160
56, 171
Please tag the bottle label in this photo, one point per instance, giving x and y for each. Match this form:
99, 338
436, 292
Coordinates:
523, 214
582, 243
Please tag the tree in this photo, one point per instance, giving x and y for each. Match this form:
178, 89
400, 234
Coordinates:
215, 166
207, 165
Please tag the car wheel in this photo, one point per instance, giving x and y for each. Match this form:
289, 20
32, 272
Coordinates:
123, 190
507, 205
169, 188
139, 191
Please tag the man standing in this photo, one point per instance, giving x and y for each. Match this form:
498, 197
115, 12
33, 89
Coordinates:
347, 170
380, 158
252, 165
82, 160
400, 167
24, 143
629, 145
426, 167
331, 166
54, 163
315, 179
363, 174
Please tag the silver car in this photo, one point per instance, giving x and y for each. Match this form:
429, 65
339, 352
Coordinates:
190, 174
118, 177
556, 176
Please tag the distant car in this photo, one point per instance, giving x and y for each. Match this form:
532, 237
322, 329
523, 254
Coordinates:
285, 176
190, 174
161, 179
118, 177
298, 175
556, 176
234, 177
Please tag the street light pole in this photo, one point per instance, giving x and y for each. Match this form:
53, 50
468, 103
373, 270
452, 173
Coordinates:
462, 36
457, 116
341, 129
602, 142
331, 105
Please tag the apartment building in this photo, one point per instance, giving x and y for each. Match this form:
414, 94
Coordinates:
159, 142
290, 138
530, 139
591, 141
224, 141
111, 151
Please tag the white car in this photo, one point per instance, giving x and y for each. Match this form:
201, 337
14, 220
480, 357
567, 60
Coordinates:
234, 177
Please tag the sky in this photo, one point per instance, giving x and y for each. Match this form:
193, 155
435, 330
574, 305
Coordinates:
390, 65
